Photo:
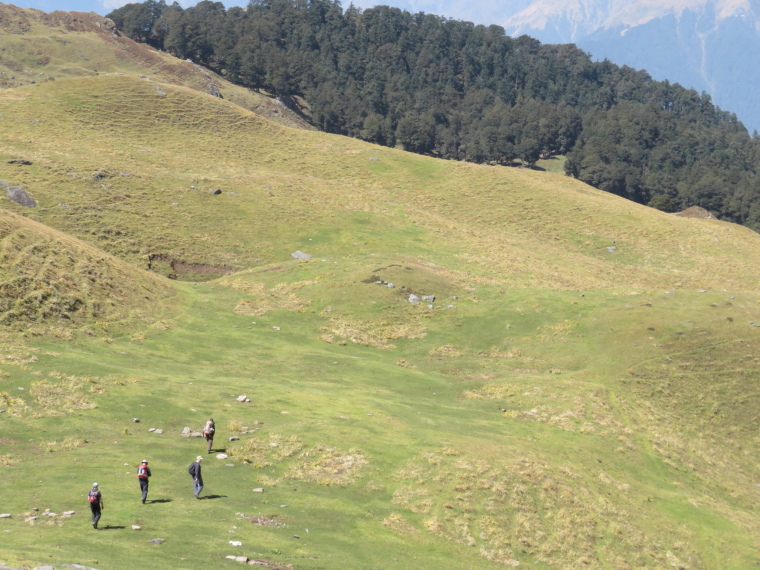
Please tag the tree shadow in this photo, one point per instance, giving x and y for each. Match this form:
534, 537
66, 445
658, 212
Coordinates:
214, 497
160, 501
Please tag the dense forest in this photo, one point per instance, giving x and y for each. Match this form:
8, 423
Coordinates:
455, 90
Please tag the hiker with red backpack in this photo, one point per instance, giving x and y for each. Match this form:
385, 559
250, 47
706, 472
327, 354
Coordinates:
96, 504
143, 472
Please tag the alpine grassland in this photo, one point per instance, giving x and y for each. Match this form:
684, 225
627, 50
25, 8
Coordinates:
577, 386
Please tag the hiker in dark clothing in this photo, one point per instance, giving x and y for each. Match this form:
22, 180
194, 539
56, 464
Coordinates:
208, 433
96, 504
143, 472
195, 473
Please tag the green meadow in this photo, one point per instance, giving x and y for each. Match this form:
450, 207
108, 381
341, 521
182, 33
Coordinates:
582, 392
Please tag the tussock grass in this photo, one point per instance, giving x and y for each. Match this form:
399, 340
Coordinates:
328, 466
263, 453
340, 329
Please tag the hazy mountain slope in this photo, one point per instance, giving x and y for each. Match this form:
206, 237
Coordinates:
39, 47
710, 46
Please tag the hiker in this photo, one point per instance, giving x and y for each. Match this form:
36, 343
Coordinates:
96, 504
143, 472
195, 473
208, 433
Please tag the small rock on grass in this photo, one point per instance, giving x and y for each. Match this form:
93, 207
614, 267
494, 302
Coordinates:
258, 490
156, 540
135, 527
221, 456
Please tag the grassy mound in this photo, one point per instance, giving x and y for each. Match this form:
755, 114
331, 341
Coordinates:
46, 276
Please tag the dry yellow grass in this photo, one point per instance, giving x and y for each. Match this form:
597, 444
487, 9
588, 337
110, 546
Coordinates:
328, 466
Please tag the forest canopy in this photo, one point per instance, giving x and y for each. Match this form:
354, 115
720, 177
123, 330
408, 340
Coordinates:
454, 90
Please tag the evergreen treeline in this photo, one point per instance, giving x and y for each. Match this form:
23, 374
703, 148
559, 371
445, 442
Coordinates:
455, 90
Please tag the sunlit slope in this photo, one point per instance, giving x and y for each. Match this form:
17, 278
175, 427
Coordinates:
131, 165
50, 278
38, 47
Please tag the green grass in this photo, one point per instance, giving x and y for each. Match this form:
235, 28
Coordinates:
562, 405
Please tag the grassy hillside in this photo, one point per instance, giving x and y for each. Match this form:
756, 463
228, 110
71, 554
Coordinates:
38, 47
582, 392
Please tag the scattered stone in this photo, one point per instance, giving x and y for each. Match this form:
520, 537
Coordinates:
151, 429
20, 196
414, 298
283, 506
21, 161
428, 298
454, 297
215, 191
69, 513
135, 527
296, 536
258, 490
236, 543
277, 328
160, 92
234, 438
300, 255
156, 540
222, 456
231, 557
241, 559
186, 431
373, 159
5, 516
196, 434
391, 285
30, 519
430, 306
612, 249
242, 398
214, 90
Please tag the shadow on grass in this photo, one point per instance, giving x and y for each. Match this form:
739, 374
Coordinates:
219, 450
111, 527
160, 501
214, 497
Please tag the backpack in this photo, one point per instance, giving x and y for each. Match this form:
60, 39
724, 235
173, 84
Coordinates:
191, 469
210, 429
93, 497
142, 472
